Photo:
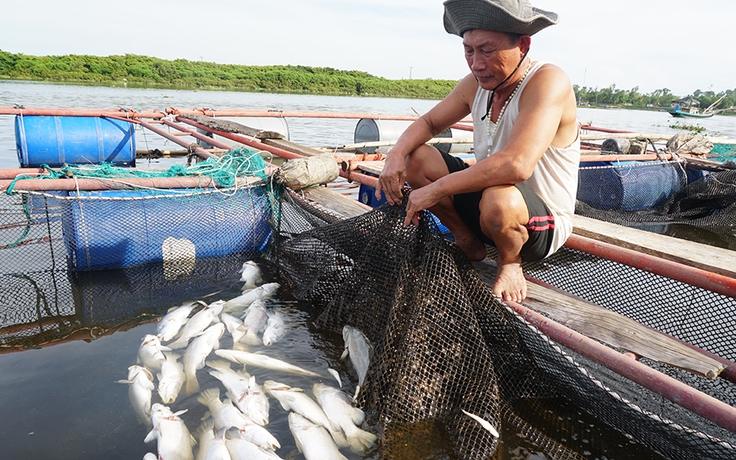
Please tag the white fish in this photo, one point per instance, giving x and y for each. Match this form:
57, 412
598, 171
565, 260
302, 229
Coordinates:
275, 328
197, 352
173, 440
170, 379
214, 448
172, 321
484, 423
234, 326
197, 324
205, 434
243, 390
140, 386
340, 411
259, 436
240, 302
251, 275
294, 399
254, 321
313, 440
226, 415
242, 449
150, 353
258, 360
335, 374
360, 350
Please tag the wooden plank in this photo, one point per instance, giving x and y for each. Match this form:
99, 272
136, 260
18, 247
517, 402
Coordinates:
373, 167
293, 147
610, 327
335, 202
698, 255
232, 127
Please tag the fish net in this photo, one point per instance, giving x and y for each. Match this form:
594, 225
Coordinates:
80, 263
444, 346
663, 196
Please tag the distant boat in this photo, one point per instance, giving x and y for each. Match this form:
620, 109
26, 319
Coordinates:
691, 109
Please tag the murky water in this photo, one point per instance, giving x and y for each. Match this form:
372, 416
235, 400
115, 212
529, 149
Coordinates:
60, 400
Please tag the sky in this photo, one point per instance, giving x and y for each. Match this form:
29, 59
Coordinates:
680, 45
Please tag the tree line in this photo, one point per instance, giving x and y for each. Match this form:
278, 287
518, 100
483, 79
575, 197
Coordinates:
135, 70
144, 71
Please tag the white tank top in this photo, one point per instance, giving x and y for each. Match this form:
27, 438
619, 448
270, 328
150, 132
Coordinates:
555, 178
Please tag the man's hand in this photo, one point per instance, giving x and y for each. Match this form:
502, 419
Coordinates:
419, 200
392, 180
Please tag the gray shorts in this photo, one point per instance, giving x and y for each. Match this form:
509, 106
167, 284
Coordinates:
541, 225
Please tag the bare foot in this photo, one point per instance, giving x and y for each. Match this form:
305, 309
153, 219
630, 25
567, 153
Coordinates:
510, 283
472, 247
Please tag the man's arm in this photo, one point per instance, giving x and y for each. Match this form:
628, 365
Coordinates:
546, 117
453, 108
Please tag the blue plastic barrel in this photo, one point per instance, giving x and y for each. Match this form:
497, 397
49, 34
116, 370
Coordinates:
56, 141
115, 229
628, 185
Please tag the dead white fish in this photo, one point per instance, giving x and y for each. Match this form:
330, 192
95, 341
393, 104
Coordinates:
215, 448
224, 414
243, 390
258, 360
170, 379
313, 440
242, 449
484, 423
150, 353
197, 352
340, 412
275, 328
205, 434
254, 321
140, 386
335, 374
173, 440
251, 275
360, 350
198, 323
242, 301
234, 326
172, 321
294, 399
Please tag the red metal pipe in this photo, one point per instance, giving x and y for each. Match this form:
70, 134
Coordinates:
697, 277
292, 114
187, 145
196, 135
111, 184
681, 394
603, 130
644, 157
67, 112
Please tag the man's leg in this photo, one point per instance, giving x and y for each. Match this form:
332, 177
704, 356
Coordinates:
426, 165
503, 218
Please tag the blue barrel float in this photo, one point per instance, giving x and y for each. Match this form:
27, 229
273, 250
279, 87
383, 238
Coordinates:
628, 185
125, 228
59, 140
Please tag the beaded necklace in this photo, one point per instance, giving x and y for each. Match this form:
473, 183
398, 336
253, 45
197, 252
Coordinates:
503, 109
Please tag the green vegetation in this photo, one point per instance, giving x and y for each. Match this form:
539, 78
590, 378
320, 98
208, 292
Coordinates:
614, 97
137, 70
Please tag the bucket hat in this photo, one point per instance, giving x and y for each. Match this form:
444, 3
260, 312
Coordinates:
513, 16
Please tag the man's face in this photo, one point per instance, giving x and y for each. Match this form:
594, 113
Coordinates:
490, 56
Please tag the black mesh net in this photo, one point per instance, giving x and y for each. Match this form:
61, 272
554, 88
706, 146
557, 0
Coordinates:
81, 264
444, 345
